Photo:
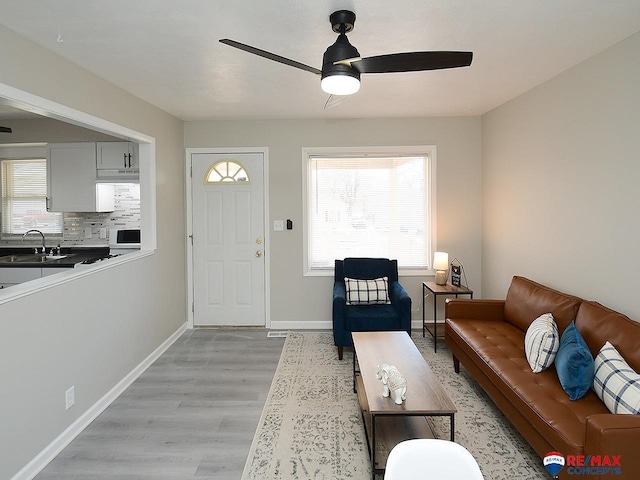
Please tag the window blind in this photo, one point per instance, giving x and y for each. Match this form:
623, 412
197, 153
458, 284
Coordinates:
24, 194
368, 206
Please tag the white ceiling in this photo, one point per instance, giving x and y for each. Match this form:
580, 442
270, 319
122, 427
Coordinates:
167, 52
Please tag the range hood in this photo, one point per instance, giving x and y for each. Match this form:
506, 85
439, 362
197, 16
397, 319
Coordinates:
118, 173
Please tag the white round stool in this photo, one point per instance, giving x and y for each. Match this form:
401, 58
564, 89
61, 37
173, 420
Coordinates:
433, 459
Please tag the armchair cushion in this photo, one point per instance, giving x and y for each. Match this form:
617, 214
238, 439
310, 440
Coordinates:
367, 292
367, 268
369, 318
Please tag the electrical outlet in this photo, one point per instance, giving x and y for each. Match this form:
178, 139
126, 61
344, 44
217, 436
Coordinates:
103, 233
70, 397
278, 225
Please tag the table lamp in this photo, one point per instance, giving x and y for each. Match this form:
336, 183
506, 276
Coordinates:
441, 265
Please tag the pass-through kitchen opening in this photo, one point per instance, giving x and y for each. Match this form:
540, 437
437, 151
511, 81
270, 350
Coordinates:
54, 217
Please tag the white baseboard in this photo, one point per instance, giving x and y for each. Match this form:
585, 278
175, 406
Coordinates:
302, 325
31, 469
325, 325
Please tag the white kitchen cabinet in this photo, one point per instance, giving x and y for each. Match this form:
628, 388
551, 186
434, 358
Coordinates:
71, 180
117, 159
14, 276
53, 270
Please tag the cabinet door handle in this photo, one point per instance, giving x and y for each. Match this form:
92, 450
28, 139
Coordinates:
125, 159
129, 160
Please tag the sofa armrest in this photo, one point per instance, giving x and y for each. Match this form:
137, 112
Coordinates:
474, 309
611, 434
401, 302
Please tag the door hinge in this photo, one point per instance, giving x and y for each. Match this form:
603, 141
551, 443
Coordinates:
191, 174
192, 308
191, 237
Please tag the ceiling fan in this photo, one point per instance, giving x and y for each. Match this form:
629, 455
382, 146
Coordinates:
342, 64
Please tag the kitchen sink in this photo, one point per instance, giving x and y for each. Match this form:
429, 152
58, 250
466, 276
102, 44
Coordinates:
30, 258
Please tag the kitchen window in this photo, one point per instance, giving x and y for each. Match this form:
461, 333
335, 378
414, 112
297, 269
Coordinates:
24, 199
374, 202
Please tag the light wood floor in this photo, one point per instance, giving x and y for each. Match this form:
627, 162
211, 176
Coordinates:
192, 414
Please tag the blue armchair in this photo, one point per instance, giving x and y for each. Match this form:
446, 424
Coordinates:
367, 318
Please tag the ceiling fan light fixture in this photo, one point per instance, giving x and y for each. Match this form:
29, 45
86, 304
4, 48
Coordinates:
341, 83
342, 64
340, 78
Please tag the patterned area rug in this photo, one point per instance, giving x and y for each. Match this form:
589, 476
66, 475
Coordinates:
311, 426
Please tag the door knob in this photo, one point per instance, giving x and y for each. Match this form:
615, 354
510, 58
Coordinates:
258, 254
259, 241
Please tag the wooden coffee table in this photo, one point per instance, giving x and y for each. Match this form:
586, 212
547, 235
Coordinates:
386, 423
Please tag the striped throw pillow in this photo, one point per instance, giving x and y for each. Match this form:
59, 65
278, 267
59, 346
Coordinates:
367, 292
541, 342
615, 382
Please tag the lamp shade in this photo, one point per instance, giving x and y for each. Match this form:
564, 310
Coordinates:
441, 261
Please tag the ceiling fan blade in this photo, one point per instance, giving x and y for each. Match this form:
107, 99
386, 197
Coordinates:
334, 101
270, 56
5, 130
412, 62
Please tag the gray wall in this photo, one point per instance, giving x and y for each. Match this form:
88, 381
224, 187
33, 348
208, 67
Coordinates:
92, 331
560, 170
299, 299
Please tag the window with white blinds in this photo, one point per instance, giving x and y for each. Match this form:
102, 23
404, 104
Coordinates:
24, 196
369, 205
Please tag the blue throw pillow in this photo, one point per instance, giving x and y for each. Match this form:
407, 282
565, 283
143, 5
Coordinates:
574, 364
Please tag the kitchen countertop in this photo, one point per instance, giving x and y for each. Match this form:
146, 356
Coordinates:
73, 255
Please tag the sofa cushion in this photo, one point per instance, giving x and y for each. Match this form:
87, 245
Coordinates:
615, 382
541, 343
574, 364
367, 292
527, 300
598, 324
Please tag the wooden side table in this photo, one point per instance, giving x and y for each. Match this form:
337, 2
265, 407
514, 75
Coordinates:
437, 290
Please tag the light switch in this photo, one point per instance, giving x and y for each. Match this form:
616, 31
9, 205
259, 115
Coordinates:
278, 225
103, 233
87, 232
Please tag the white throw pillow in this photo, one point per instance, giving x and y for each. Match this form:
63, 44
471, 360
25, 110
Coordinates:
367, 292
615, 382
541, 343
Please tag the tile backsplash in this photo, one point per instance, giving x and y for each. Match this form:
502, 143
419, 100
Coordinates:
126, 215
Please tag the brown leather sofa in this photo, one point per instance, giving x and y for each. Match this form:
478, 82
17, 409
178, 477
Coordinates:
487, 337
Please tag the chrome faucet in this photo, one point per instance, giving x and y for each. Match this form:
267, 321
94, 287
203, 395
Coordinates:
44, 248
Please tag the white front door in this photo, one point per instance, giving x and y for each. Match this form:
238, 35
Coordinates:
228, 239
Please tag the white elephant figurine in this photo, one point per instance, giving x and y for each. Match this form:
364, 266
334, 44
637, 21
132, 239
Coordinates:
393, 383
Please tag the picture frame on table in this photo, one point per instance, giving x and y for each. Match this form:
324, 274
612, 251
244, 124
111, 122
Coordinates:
456, 273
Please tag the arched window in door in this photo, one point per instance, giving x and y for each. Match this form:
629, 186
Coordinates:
226, 171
